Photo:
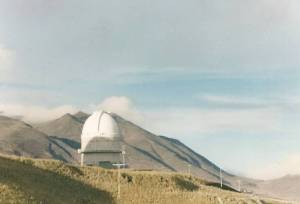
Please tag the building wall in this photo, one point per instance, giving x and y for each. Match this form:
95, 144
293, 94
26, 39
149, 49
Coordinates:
103, 144
95, 158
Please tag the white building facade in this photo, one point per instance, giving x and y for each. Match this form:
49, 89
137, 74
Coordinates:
100, 141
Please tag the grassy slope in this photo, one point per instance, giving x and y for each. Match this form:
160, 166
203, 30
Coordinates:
48, 181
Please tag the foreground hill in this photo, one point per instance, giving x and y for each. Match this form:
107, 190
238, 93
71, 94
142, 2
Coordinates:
49, 181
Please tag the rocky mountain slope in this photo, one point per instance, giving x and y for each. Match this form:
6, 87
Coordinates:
163, 153
65, 132
287, 187
19, 138
144, 150
68, 126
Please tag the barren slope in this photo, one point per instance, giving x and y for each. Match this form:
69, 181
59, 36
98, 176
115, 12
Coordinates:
47, 181
287, 187
21, 139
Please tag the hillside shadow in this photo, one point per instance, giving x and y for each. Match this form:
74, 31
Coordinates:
71, 143
200, 157
48, 187
224, 187
54, 154
187, 158
185, 184
148, 154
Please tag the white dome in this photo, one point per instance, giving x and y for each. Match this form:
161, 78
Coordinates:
99, 126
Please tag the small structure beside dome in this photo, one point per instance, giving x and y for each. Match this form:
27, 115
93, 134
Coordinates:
100, 141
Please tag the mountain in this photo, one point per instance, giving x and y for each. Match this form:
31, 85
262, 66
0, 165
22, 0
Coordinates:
81, 116
287, 187
163, 153
144, 150
65, 132
68, 126
21, 139
60, 139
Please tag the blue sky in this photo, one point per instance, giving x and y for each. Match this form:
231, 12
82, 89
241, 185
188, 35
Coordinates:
221, 76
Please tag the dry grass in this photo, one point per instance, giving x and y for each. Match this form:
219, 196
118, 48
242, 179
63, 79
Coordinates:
47, 181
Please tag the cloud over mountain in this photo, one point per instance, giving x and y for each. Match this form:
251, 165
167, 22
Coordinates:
35, 113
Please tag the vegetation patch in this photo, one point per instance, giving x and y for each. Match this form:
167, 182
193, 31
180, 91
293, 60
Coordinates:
185, 184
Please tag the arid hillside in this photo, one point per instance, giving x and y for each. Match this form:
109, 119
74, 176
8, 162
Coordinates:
25, 180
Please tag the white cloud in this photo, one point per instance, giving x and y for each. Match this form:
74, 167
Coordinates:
178, 122
220, 99
174, 122
280, 168
33, 105
250, 101
122, 106
7, 59
35, 114
258, 36
196, 121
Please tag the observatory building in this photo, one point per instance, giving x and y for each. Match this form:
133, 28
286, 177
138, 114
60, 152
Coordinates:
100, 141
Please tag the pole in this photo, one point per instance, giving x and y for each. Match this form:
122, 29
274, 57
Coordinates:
119, 186
239, 182
189, 169
119, 179
123, 156
221, 179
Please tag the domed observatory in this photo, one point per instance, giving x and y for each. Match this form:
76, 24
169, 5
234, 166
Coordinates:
100, 141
